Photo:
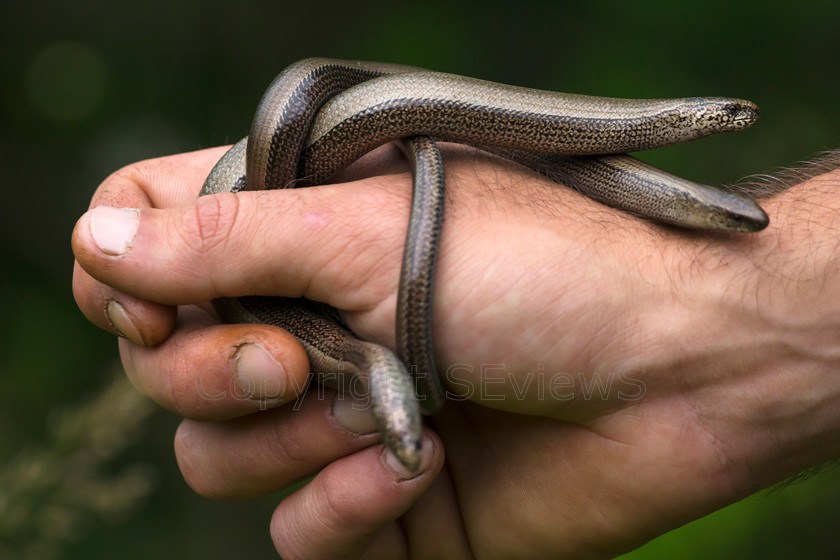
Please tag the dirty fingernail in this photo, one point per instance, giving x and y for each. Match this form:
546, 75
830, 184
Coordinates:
113, 229
258, 374
122, 322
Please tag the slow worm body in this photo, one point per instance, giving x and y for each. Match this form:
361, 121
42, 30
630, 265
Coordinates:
320, 115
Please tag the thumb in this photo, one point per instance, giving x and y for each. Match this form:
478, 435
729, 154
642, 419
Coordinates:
339, 244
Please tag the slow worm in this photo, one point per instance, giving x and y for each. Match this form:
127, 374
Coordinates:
320, 115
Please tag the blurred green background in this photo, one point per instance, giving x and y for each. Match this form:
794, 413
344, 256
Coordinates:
88, 87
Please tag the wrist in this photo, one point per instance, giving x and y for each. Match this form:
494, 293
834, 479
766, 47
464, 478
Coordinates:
775, 400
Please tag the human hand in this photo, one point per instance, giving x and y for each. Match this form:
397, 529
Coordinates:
620, 378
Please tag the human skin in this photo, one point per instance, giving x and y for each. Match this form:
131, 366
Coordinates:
722, 351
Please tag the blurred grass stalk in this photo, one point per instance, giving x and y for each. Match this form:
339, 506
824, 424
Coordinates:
50, 492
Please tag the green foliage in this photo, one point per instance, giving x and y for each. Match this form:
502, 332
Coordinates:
51, 491
795, 520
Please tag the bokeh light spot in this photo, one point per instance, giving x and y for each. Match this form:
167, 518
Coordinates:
66, 81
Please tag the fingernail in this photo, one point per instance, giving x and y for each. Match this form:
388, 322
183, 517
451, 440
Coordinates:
122, 321
402, 472
113, 229
258, 374
352, 415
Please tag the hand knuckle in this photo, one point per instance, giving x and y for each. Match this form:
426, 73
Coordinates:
207, 225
